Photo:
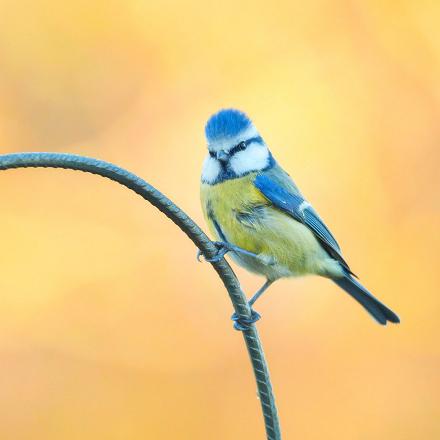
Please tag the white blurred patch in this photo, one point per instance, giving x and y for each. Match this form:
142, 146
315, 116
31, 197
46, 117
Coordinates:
304, 205
211, 169
254, 158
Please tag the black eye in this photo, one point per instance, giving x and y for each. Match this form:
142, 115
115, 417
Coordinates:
239, 147
211, 153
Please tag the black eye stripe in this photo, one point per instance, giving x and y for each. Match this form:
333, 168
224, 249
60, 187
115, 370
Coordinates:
239, 147
243, 145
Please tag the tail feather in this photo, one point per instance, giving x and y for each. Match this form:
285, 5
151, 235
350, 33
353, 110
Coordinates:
377, 310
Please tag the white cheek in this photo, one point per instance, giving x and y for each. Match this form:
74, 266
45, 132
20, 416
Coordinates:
254, 158
211, 170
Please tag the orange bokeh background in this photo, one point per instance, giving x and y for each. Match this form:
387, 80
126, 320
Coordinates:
109, 328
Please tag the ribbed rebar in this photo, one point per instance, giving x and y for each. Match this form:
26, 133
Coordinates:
187, 225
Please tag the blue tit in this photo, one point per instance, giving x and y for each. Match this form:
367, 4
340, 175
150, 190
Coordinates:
257, 213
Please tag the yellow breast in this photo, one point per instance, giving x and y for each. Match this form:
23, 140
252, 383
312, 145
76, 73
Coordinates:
228, 201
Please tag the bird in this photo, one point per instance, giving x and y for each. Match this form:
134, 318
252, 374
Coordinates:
257, 213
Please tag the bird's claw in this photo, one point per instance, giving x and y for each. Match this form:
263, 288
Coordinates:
222, 250
199, 254
242, 324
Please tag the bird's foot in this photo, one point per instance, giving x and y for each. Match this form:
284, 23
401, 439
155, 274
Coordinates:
222, 249
242, 324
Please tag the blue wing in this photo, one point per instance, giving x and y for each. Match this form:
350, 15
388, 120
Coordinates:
292, 203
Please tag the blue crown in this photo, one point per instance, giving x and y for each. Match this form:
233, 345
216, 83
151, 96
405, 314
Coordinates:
226, 123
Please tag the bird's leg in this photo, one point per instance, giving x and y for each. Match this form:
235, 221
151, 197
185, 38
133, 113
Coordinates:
243, 324
260, 292
223, 248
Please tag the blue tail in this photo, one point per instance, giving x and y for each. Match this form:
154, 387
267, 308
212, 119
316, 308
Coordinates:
377, 310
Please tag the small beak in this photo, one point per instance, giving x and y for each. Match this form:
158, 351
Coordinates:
222, 156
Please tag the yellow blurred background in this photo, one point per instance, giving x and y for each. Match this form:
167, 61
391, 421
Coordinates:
109, 328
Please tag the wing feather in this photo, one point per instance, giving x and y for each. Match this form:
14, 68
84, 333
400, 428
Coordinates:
297, 207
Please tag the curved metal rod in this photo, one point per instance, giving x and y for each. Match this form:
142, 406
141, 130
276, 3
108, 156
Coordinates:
187, 225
